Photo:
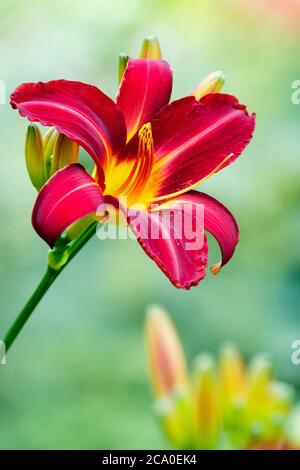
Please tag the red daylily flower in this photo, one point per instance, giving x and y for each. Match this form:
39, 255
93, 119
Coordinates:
145, 150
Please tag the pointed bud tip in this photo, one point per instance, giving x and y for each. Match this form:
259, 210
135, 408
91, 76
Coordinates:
262, 363
156, 311
123, 59
212, 83
65, 152
150, 48
219, 76
229, 350
159, 325
33, 132
32, 127
204, 364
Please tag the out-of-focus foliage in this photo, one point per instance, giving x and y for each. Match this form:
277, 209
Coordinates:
76, 377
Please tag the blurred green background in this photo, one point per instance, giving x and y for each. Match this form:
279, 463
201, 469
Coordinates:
77, 376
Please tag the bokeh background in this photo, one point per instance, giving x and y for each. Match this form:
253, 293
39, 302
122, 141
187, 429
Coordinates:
77, 376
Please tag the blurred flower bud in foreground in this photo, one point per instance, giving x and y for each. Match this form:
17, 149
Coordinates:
222, 404
166, 356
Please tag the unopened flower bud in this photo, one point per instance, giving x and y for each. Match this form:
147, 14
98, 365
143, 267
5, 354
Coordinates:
231, 374
150, 48
259, 376
165, 410
123, 59
207, 406
34, 153
65, 152
167, 361
177, 417
49, 140
213, 83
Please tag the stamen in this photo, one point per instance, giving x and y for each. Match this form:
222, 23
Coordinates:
134, 185
145, 153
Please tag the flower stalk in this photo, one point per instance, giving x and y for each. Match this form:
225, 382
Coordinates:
58, 259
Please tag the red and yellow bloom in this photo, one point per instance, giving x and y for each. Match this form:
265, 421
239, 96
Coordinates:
145, 151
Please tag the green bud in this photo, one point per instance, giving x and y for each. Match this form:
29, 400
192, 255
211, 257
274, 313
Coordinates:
123, 59
34, 153
65, 152
49, 142
260, 373
150, 48
207, 401
212, 83
231, 372
166, 409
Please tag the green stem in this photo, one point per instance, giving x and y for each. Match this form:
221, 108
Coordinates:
25, 313
51, 274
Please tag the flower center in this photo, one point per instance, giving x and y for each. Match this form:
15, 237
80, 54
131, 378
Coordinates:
138, 171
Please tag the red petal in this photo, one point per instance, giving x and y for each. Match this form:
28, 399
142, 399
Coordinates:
193, 140
145, 88
81, 112
181, 253
69, 195
218, 221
